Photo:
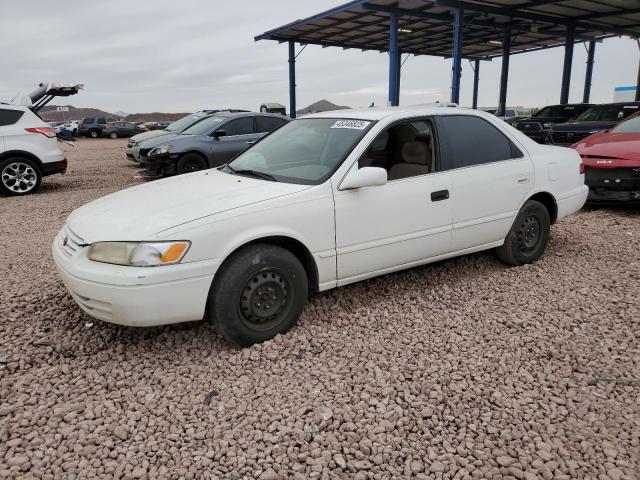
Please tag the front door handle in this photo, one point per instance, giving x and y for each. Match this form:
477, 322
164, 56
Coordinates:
439, 195
523, 180
251, 142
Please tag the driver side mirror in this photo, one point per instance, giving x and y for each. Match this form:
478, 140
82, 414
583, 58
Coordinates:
219, 133
365, 177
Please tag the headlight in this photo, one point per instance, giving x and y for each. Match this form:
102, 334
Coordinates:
162, 150
138, 254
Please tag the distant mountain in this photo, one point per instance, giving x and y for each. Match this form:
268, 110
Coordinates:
321, 106
50, 113
154, 117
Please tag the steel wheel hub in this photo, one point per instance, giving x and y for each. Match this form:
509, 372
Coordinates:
19, 177
529, 234
263, 299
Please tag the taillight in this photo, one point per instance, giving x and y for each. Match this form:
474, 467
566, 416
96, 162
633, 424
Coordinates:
46, 131
581, 167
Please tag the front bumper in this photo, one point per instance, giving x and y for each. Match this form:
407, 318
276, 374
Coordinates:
133, 296
164, 165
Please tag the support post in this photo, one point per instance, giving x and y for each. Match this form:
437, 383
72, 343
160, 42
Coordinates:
568, 60
591, 51
638, 85
399, 76
292, 79
504, 76
458, 26
393, 59
476, 83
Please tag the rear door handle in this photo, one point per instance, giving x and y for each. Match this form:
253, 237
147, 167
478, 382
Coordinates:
439, 195
523, 180
251, 142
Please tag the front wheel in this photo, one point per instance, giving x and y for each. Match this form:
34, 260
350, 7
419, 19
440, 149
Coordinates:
258, 293
19, 176
93, 134
113, 135
191, 162
528, 237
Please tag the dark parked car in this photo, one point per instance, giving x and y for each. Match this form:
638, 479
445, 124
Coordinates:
537, 126
92, 126
121, 129
597, 119
209, 143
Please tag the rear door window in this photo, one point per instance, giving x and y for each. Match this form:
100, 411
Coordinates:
102, 121
474, 141
9, 117
268, 124
88, 120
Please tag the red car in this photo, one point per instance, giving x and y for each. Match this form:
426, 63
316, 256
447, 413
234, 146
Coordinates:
611, 162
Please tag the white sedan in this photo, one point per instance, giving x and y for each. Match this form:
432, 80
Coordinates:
326, 200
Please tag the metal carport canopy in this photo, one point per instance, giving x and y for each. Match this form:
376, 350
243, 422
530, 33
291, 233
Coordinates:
431, 27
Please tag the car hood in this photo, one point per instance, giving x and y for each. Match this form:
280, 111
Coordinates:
141, 137
624, 146
582, 126
142, 212
164, 139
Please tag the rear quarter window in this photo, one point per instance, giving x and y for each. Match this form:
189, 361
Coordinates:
472, 140
9, 117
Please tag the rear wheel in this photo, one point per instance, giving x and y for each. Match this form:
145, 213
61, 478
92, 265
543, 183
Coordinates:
113, 135
191, 162
528, 237
19, 176
258, 293
93, 133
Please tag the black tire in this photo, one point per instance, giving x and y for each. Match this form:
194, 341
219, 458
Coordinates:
191, 162
94, 133
258, 292
113, 135
19, 176
528, 237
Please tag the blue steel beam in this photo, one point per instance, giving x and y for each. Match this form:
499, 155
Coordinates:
458, 26
292, 79
476, 83
566, 68
589, 73
504, 76
393, 59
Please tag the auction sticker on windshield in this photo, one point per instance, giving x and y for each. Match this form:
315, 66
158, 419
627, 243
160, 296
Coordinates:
353, 124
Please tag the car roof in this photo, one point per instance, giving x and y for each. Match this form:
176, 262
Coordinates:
8, 106
379, 113
248, 114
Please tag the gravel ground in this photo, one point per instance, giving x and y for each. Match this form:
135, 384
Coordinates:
464, 369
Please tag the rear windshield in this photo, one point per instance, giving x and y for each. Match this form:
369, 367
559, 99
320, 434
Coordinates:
607, 113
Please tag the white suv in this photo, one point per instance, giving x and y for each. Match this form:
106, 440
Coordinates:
28, 151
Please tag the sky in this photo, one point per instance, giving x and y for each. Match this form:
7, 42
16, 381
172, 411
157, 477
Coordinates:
171, 56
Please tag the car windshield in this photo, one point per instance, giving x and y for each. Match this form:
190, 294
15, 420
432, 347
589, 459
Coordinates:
204, 127
607, 113
305, 151
557, 111
631, 125
185, 122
